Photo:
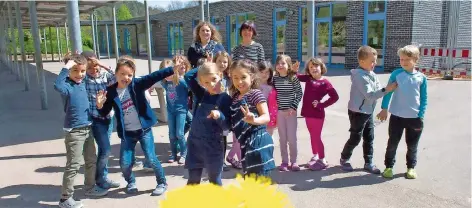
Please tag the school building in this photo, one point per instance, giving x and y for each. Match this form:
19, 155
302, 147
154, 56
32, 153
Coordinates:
340, 28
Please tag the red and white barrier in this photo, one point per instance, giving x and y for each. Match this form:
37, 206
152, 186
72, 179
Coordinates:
444, 52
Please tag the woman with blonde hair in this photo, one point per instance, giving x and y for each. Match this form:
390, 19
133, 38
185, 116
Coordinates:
206, 43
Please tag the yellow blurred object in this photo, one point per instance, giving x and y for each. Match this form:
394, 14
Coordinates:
250, 192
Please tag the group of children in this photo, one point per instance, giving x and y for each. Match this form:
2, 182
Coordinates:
245, 98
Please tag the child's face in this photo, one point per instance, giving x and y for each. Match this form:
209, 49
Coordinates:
282, 67
205, 33
264, 75
222, 63
314, 70
211, 82
369, 62
124, 75
407, 62
182, 69
77, 73
93, 69
241, 79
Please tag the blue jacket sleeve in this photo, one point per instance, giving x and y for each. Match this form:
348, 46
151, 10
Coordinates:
225, 112
191, 79
192, 56
386, 99
60, 84
423, 97
147, 81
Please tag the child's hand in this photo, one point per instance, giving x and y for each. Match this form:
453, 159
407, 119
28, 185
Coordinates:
315, 103
248, 115
382, 116
101, 98
292, 112
209, 57
391, 87
214, 114
70, 64
296, 66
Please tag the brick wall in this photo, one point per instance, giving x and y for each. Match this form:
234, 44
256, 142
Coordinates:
399, 31
354, 32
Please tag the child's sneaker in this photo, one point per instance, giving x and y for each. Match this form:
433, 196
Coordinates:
371, 168
225, 167
137, 165
96, 191
319, 165
295, 167
131, 188
283, 167
70, 203
160, 189
181, 161
388, 173
110, 184
312, 160
171, 159
234, 163
411, 173
346, 165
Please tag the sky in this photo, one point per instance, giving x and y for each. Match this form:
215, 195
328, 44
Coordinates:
165, 3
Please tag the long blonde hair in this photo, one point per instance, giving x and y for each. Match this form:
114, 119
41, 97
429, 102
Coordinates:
215, 35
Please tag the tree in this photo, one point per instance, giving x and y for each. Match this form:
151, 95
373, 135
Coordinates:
123, 13
175, 5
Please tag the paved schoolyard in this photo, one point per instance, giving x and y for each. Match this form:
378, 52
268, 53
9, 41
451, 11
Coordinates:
32, 154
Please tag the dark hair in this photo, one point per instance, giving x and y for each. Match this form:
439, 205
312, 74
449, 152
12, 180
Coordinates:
77, 58
89, 54
126, 61
248, 24
252, 70
201, 61
265, 65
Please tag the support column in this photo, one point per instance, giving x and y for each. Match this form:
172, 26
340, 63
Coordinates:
67, 36
21, 37
37, 54
115, 33
58, 38
45, 43
97, 37
73, 21
108, 41
50, 43
93, 34
15, 50
202, 10
311, 28
10, 39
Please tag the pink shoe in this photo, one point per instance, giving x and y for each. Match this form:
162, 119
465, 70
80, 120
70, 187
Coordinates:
295, 167
283, 167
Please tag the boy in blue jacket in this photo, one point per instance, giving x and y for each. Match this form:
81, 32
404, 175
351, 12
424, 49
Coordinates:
407, 108
135, 119
77, 125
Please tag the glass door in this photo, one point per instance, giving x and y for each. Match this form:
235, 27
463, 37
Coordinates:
279, 35
375, 29
174, 35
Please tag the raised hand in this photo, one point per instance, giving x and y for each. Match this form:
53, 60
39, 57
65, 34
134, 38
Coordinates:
101, 98
296, 66
248, 115
209, 57
70, 64
214, 114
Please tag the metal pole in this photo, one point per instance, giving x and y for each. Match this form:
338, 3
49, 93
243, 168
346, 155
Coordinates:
137, 39
311, 28
45, 43
37, 53
1, 35
73, 19
97, 38
93, 34
10, 38
202, 10
115, 33
148, 36
108, 41
67, 36
50, 43
208, 10
15, 50
21, 37
58, 39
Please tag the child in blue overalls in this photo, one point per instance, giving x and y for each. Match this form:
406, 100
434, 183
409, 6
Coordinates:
249, 117
211, 116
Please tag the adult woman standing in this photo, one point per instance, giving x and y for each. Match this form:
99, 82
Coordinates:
206, 43
248, 49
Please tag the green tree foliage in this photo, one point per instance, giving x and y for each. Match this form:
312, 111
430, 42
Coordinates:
123, 13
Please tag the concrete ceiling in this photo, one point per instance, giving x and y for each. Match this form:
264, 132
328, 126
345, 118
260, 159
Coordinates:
50, 13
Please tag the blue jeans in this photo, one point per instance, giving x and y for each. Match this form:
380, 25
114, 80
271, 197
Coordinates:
101, 130
188, 122
176, 122
127, 153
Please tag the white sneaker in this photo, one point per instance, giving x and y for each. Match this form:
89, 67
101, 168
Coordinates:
70, 203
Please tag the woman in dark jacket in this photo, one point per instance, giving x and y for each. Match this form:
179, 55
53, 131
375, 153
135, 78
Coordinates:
206, 43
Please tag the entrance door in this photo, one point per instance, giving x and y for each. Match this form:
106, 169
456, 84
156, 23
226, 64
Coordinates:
175, 44
280, 27
127, 41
